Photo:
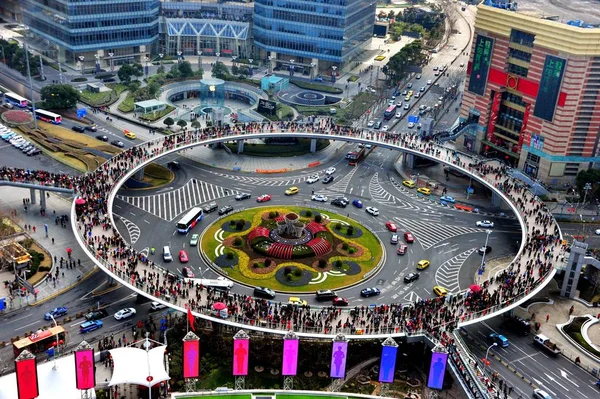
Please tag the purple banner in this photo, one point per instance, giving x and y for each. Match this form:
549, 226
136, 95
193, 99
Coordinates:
290, 357
338, 359
437, 370
388, 363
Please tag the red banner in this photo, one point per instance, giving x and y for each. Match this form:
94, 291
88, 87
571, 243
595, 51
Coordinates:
525, 136
494, 115
85, 377
27, 379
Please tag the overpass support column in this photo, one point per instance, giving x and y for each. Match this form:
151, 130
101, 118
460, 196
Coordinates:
139, 175
313, 146
43, 199
240, 145
409, 161
496, 200
573, 269
32, 196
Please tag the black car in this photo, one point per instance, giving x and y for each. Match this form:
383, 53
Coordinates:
208, 208
78, 129
96, 314
328, 179
108, 80
410, 277
35, 151
91, 128
226, 209
486, 250
325, 295
102, 137
264, 292
367, 292
117, 143
243, 196
174, 165
339, 202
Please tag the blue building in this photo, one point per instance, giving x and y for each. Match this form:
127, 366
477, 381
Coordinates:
104, 32
312, 36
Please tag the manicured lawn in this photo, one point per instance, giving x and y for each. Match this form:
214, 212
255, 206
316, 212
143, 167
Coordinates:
159, 114
127, 104
316, 87
574, 331
244, 272
117, 87
97, 99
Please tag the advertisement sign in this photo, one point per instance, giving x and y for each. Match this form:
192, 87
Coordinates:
85, 377
494, 115
241, 349
338, 359
388, 364
482, 59
437, 370
290, 357
549, 90
525, 137
266, 107
191, 358
27, 378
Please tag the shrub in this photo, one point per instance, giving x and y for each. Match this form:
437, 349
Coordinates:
345, 246
297, 272
308, 214
44, 268
322, 263
351, 250
350, 230
318, 218
237, 241
255, 265
229, 255
338, 263
338, 226
79, 80
268, 262
287, 270
231, 222
289, 277
239, 225
273, 214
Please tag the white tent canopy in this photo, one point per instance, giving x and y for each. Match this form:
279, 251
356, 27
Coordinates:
53, 384
135, 366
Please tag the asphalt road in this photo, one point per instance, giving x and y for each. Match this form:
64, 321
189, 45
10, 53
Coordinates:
559, 377
446, 237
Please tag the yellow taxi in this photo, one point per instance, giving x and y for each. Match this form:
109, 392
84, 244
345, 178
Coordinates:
407, 98
440, 291
128, 134
423, 264
294, 300
292, 190
410, 93
409, 183
424, 190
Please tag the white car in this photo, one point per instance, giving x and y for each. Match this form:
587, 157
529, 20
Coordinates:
462, 64
385, 128
411, 125
417, 95
598, 232
124, 313
370, 124
372, 211
157, 306
406, 106
312, 179
398, 115
429, 82
422, 89
418, 76
391, 102
485, 223
330, 171
399, 103
319, 198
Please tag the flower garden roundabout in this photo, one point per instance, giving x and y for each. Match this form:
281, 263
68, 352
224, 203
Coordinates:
292, 249
95, 231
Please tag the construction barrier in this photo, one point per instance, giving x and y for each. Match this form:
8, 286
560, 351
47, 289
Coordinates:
313, 164
268, 171
464, 207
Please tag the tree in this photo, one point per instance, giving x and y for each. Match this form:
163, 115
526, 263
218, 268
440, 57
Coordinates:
591, 176
235, 70
175, 71
169, 121
62, 96
196, 124
160, 70
200, 73
220, 71
185, 69
181, 123
15, 58
126, 72
153, 89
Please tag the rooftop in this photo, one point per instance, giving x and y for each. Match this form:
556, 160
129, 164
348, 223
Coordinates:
587, 11
149, 103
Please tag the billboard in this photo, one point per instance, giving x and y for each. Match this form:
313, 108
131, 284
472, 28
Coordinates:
27, 378
266, 107
547, 97
85, 377
437, 370
338, 359
388, 363
290, 357
482, 59
191, 358
241, 349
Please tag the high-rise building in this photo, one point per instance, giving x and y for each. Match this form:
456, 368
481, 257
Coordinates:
534, 85
95, 31
313, 35
11, 11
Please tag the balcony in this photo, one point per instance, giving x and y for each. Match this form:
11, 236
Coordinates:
521, 47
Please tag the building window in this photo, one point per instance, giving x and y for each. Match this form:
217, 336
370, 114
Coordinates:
523, 38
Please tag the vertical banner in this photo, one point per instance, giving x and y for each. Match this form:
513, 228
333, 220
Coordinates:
437, 370
290, 357
27, 378
525, 137
388, 364
240, 356
191, 359
339, 355
494, 115
84, 369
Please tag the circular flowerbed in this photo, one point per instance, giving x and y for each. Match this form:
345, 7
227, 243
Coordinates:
294, 249
16, 117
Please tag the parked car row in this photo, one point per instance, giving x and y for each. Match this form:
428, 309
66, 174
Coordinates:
18, 141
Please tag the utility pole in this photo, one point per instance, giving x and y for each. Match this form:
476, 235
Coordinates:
42, 69
30, 85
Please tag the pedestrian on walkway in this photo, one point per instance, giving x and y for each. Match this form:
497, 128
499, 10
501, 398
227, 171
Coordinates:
52, 240
547, 316
571, 310
34, 229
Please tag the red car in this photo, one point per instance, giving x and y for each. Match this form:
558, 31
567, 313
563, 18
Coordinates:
402, 249
263, 198
408, 237
183, 256
339, 301
391, 226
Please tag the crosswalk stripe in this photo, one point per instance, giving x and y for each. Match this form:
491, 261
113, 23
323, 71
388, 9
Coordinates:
429, 234
448, 273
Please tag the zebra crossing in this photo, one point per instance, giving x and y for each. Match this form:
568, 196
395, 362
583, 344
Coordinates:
170, 204
264, 181
341, 185
447, 274
380, 195
428, 234
132, 228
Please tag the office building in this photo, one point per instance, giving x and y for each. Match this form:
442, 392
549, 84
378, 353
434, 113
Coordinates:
10, 11
312, 36
533, 82
101, 31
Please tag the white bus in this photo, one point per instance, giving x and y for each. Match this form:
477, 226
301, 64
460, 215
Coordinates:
48, 116
189, 220
16, 100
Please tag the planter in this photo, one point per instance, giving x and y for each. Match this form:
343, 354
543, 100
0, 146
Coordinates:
308, 374
323, 374
274, 372
259, 369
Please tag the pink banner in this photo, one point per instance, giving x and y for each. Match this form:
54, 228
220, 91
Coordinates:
290, 357
191, 359
525, 136
494, 115
84, 369
241, 349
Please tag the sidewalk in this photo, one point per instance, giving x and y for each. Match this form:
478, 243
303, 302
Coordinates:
11, 198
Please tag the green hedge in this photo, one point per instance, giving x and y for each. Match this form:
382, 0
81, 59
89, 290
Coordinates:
127, 105
151, 117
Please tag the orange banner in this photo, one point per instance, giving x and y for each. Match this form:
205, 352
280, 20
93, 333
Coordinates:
464, 207
268, 171
313, 164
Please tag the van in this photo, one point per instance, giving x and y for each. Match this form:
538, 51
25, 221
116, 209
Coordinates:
167, 257
332, 111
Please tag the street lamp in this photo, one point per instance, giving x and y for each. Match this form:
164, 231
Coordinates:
57, 344
179, 53
250, 60
587, 187
199, 59
487, 236
292, 67
333, 68
81, 58
488, 351
112, 64
97, 57
218, 55
161, 55
269, 64
312, 68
